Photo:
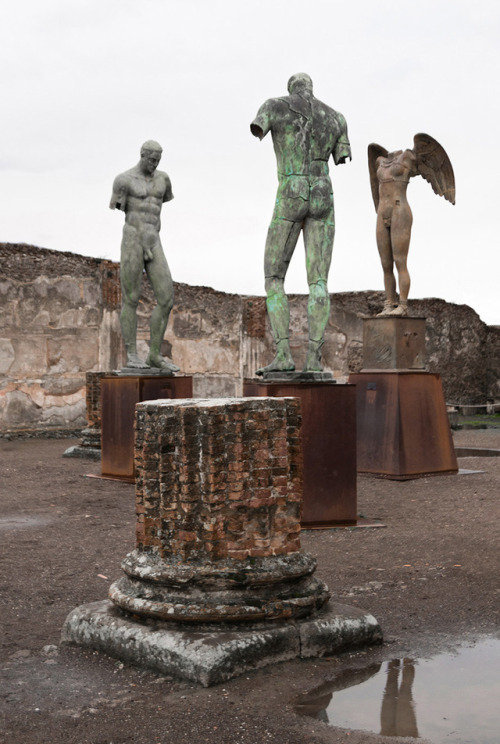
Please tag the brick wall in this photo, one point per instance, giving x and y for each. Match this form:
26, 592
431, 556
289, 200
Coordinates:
93, 397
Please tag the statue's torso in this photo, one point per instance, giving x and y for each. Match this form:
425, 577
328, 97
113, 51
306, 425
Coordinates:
141, 197
393, 173
145, 198
304, 132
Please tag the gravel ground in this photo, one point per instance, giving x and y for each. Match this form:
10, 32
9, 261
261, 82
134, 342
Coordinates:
430, 577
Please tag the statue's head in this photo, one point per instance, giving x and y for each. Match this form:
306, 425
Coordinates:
150, 156
299, 83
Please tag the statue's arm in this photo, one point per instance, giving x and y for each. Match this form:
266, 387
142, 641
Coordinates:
342, 149
261, 125
119, 195
168, 194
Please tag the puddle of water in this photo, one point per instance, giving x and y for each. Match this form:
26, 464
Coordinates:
449, 698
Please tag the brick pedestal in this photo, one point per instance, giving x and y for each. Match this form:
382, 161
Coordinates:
219, 495
217, 583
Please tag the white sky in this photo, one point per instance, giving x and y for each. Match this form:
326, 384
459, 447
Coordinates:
85, 82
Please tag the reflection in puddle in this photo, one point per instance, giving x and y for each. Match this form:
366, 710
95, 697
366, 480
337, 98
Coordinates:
449, 698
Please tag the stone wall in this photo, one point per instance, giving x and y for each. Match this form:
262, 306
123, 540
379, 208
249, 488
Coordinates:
59, 319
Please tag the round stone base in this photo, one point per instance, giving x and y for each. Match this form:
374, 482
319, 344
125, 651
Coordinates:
271, 588
221, 574
284, 601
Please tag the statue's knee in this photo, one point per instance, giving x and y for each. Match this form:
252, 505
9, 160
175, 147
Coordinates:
130, 301
274, 286
166, 306
318, 292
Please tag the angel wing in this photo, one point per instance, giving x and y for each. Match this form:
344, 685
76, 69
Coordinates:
374, 152
434, 165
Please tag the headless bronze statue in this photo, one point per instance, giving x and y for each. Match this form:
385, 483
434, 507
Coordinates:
390, 173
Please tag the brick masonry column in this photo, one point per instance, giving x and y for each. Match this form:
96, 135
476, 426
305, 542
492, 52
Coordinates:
92, 433
218, 500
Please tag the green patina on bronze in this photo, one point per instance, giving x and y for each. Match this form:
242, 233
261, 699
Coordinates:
305, 133
140, 193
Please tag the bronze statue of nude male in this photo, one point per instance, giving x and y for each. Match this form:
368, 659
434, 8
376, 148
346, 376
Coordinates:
305, 133
140, 193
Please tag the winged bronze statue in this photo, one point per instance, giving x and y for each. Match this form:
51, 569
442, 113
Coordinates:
390, 173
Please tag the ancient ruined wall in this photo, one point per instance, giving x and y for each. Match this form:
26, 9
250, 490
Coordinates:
59, 318
203, 337
492, 359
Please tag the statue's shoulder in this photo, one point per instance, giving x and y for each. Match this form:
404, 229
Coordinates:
164, 185
124, 179
275, 106
283, 102
161, 174
121, 190
335, 117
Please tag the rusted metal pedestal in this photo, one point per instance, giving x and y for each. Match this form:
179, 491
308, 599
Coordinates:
402, 425
328, 444
119, 395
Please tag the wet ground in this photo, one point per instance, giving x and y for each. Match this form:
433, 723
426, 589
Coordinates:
451, 696
430, 577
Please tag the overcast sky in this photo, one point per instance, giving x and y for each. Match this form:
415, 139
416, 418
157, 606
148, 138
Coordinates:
85, 82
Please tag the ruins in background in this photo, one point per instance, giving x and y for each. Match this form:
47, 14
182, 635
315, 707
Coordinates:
59, 318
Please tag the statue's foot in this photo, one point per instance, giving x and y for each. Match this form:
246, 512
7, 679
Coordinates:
400, 310
280, 363
388, 309
313, 364
158, 362
313, 359
135, 362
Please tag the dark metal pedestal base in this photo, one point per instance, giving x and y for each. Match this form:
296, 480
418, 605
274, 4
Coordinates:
328, 445
403, 428
119, 395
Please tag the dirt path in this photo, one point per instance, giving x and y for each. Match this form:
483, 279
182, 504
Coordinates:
430, 577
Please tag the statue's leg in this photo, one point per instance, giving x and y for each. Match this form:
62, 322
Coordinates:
386, 258
318, 240
282, 238
400, 241
163, 288
131, 267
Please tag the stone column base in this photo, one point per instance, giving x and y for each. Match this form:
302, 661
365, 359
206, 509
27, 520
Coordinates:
209, 656
269, 588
